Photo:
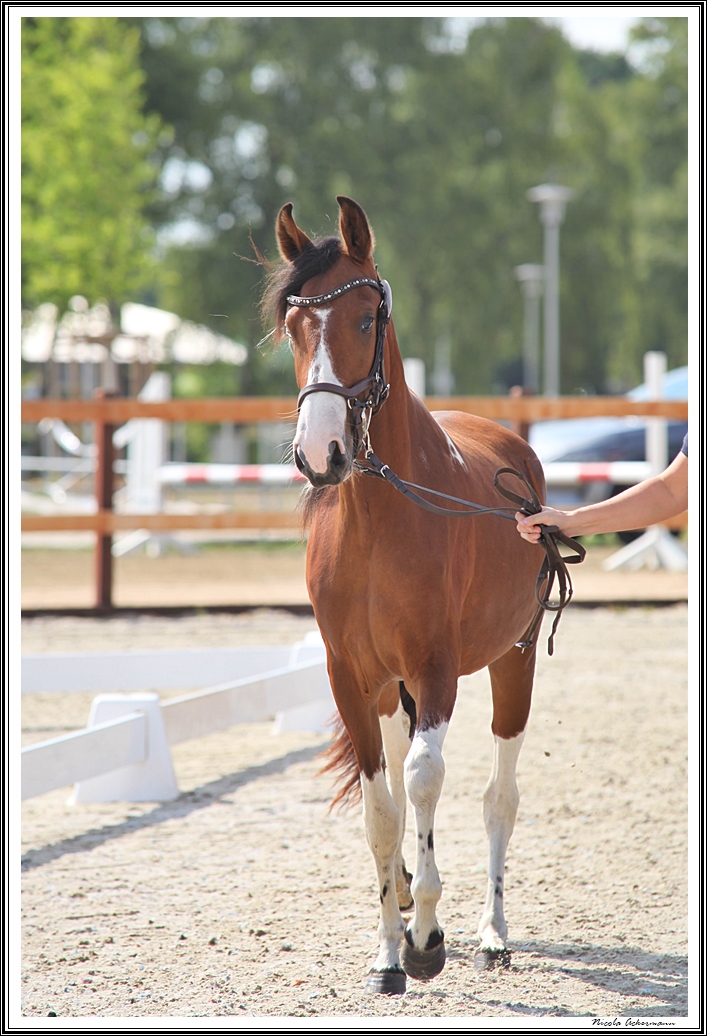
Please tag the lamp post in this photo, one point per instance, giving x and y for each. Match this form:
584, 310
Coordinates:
552, 200
531, 277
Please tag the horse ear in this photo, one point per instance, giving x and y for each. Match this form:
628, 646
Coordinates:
355, 231
291, 240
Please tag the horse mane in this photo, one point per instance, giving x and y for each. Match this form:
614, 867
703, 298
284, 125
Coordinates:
343, 763
286, 278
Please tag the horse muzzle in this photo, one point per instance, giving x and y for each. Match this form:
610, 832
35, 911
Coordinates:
339, 467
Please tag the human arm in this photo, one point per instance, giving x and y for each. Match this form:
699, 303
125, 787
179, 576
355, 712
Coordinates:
650, 502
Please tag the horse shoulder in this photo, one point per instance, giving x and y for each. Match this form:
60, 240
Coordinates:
472, 434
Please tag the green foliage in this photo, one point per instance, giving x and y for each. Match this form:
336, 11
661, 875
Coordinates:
85, 170
439, 136
659, 113
213, 379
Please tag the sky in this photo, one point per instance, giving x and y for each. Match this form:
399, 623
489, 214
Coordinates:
605, 33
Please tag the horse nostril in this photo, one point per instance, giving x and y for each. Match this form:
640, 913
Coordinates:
337, 459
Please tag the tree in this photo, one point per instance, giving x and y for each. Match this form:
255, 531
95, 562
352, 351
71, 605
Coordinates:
86, 174
658, 111
438, 134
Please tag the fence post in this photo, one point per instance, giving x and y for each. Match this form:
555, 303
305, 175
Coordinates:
104, 501
521, 428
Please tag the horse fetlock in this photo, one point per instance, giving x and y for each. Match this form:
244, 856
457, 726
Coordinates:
492, 932
487, 960
426, 886
427, 890
420, 932
391, 937
403, 881
391, 929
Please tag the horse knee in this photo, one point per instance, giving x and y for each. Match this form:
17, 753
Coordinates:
501, 796
424, 768
381, 817
500, 804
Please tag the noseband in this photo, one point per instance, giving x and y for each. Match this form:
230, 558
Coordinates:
375, 385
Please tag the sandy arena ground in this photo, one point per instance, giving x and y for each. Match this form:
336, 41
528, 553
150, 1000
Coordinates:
244, 898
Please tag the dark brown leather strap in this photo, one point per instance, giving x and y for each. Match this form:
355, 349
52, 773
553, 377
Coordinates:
374, 385
554, 565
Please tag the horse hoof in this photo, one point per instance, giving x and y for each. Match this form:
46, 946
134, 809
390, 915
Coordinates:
390, 982
487, 960
423, 964
405, 901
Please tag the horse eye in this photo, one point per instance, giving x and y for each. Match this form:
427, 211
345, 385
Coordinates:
366, 324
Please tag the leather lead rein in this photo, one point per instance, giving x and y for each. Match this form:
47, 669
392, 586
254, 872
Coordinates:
554, 565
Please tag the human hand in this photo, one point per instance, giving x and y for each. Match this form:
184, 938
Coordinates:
529, 524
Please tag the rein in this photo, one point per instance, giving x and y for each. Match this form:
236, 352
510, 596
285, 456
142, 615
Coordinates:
554, 565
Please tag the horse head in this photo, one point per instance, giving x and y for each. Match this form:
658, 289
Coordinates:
335, 320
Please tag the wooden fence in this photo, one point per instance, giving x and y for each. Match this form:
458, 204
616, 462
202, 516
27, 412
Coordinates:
108, 412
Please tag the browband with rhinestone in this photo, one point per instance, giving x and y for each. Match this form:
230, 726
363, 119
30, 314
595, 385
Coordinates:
317, 300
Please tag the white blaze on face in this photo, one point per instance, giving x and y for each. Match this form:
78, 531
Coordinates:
322, 417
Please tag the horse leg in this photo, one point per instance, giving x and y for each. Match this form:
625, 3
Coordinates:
396, 729
423, 953
511, 684
381, 819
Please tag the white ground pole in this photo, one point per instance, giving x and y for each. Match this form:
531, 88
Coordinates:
656, 547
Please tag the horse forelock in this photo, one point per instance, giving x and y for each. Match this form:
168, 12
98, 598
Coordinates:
288, 278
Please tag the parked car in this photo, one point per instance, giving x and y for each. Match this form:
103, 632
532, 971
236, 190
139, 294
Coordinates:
552, 439
604, 439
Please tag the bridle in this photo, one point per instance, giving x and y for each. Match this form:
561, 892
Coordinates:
374, 385
377, 389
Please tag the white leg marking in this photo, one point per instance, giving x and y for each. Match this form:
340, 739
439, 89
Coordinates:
322, 417
396, 745
382, 822
424, 776
500, 806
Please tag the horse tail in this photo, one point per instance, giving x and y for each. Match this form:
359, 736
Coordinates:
343, 763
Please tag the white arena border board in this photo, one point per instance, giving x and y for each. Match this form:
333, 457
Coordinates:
124, 752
